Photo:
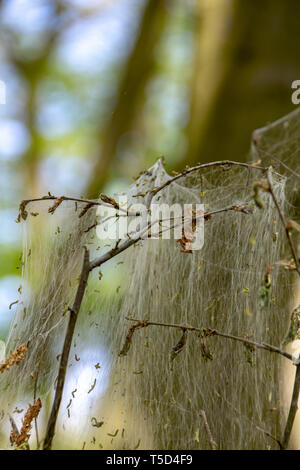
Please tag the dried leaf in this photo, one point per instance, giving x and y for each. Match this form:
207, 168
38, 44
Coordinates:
205, 352
20, 438
109, 200
23, 214
14, 357
177, 349
128, 339
53, 208
183, 242
86, 208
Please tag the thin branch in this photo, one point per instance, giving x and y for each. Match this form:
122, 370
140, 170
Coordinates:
245, 209
105, 202
143, 234
211, 440
284, 165
293, 409
34, 401
109, 202
221, 163
251, 422
212, 332
129, 336
119, 248
66, 351
296, 389
98, 224
284, 223
267, 433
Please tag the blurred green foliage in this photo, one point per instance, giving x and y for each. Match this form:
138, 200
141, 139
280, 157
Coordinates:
96, 90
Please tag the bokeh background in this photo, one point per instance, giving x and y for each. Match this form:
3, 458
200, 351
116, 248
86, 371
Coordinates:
97, 90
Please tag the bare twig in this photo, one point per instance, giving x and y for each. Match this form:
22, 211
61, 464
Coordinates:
212, 332
119, 248
284, 223
105, 202
245, 209
66, 351
34, 400
144, 234
211, 440
222, 163
271, 156
267, 347
293, 409
267, 433
249, 421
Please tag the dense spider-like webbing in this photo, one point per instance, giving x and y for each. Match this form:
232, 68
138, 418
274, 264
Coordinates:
145, 399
